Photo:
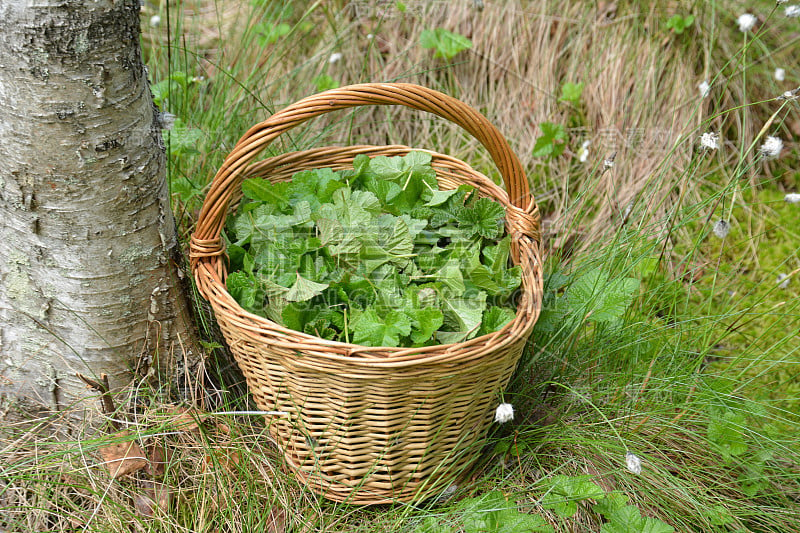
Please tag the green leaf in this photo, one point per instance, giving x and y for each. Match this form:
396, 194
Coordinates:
462, 317
485, 218
493, 513
242, 288
325, 82
296, 316
628, 519
304, 289
444, 43
425, 322
172, 87
603, 300
262, 190
412, 173
563, 493
314, 186
270, 33
372, 329
679, 23
182, 139
186, 190
497, 255
726, 431
450, 276
571, 92
483, 278
432, 525
494, 319
386, 191
440, 197
552, 142
610, 503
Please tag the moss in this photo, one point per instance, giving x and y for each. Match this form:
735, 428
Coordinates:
758, 321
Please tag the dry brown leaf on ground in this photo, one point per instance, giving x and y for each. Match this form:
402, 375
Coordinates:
222, 427
184, 418
224, 457
122, 458
156, 460
155, 496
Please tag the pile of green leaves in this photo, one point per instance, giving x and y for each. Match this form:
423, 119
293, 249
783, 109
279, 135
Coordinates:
376, 255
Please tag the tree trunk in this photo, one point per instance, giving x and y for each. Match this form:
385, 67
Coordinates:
88, 281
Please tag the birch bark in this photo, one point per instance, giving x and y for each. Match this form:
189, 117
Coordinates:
88, 279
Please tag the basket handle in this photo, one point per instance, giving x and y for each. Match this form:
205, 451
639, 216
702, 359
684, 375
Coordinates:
205, 241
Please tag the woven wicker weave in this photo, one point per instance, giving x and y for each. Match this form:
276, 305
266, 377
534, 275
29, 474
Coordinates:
372, 424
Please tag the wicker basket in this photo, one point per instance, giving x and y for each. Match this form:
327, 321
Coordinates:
372, 425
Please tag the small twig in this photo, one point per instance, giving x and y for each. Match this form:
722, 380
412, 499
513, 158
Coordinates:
105, 395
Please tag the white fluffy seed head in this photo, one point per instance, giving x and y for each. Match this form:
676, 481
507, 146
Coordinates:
792, 198
633, 463
780, 74
335, 58
709, 141
705, 89
772, 147
504, 413
792, 11
722, 228
746, 21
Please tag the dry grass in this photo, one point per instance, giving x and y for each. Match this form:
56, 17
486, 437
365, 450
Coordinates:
639, 100
202, 474
640, 96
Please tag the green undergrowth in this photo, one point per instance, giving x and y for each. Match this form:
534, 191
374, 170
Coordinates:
660, 389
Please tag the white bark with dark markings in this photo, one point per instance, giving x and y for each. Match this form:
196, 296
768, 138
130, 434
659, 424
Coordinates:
87, 238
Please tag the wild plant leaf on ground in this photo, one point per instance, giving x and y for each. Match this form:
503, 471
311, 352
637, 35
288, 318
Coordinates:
445, 44
376, 255
562, 493
489, 513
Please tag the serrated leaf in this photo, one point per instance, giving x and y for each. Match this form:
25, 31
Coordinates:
571, 92
462, 317
603, 300
314, 186
444, 43
263, 191
372, 329
450, 276
493, 513
563, 493
304, 289
425, 322
552, 141
483, 278
628, 519
182, 139
485, 218
243, 289
726, 431
386, 191
610, 503
431, 525
494, 319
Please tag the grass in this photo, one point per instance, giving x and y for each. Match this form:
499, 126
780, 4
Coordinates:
694, 372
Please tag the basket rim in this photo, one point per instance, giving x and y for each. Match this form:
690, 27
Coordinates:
524, 317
